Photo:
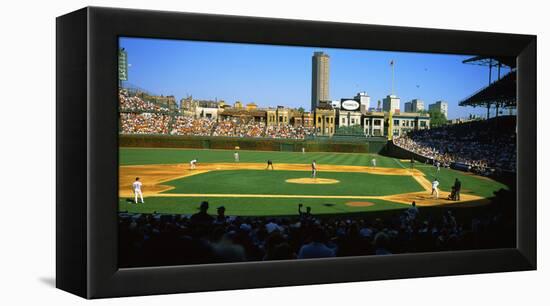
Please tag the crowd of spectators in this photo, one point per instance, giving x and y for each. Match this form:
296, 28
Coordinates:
156, 239
136, 104
185, 125
143, 117
250, 128
288, 131
225, 128
482, 145
144, 123
160, 123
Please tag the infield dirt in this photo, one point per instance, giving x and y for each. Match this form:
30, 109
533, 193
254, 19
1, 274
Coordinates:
153, 177
309, 180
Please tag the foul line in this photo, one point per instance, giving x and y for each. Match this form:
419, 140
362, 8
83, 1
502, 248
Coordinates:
222, 195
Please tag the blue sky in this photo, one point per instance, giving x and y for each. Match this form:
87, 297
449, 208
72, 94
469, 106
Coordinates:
272, 75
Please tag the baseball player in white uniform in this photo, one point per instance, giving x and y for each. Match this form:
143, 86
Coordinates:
314, 169
435, 190
303, 150
236, 155
193, 164
373, 161
136, 187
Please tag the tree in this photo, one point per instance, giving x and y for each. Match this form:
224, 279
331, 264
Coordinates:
437, 118
352, 130
301, 110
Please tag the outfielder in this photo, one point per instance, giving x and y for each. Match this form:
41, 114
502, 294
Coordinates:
236, 155
373, 161
314, 169
136, 187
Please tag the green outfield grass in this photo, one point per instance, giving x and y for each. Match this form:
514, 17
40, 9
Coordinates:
253, 206
273, 182
146, 156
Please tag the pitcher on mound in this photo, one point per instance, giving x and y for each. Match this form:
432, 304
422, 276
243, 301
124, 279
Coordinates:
314, 169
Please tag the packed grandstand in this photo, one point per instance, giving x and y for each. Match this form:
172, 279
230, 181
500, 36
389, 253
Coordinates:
207, 237
138, 116
481, 145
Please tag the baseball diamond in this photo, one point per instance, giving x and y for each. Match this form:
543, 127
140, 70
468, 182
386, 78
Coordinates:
246, 188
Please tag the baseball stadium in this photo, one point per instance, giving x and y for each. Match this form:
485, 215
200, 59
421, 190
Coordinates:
207, 181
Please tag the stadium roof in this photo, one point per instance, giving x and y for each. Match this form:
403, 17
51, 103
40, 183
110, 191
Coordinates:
502, 92
491, 60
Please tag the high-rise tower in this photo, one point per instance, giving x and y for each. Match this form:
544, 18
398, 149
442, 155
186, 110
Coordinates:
319, 78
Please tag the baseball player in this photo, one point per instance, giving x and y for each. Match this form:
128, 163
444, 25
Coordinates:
269, 164
457, 186
136, 187
435, 190
314, 169
438, 165
236, 155
193, 164
303, 150
373, 161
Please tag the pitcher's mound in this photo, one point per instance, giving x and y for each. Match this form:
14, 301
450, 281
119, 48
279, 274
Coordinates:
359, 204
308, 180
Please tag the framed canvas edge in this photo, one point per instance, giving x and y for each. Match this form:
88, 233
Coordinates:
104, 279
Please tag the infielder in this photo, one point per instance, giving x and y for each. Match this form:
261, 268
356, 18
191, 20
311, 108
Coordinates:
435, 190
193, 164
269, 164
236, 155
314, 169
136, 187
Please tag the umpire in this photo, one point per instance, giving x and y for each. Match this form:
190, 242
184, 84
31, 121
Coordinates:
457, 187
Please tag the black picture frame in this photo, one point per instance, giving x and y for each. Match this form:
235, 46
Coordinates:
87, 152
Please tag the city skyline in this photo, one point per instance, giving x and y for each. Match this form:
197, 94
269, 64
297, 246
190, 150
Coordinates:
271, 75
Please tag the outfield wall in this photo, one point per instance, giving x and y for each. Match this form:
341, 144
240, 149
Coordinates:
321, 144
